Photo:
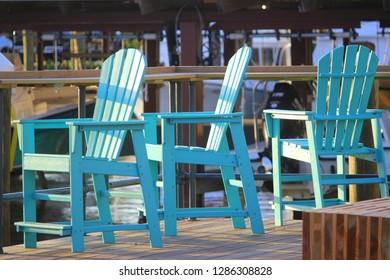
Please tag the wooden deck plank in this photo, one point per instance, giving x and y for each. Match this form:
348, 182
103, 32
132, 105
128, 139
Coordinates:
201, 239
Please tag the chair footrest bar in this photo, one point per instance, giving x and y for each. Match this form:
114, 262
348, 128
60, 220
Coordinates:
353, 181
118, 227
235, 183
209, 212
47, 228
53, 197
304, 205
122, 194
142, 212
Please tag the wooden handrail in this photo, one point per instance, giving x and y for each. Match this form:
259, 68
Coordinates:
159, 74
85, 78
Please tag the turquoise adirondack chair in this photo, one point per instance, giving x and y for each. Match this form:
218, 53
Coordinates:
121, 80
216, 153
344, 83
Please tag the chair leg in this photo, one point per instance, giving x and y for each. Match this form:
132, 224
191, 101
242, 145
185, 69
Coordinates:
317, 185
381, 164
147, 186
29, 207
248, 182
77, 211
341, 189
232, 196
77, 219
169, 182
277, 182
381, 168
151, 212
252, 201
154, 165
169, 179
315, 166
103, 206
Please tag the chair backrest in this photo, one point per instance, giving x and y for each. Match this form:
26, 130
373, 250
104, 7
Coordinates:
121, 80
231, 85
345, 78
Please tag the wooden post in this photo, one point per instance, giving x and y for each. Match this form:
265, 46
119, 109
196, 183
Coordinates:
301, 54
5, 227
28, 50
152, 99
40, 52
229, 49
77, 46
358, 166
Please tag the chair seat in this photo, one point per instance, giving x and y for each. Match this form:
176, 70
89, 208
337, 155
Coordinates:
299, 149
304, 144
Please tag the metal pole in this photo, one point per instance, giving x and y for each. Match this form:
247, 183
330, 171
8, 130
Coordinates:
192, 136
2, 166
5, 129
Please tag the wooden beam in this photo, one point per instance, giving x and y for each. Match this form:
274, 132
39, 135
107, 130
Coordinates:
228, 6
152, 6
308, 5
241, 19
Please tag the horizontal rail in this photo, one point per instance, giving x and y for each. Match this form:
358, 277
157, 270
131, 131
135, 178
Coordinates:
134, 181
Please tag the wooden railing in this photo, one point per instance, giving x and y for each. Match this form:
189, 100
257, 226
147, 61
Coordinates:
154, 75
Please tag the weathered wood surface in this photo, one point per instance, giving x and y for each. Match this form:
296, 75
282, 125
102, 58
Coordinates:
200, 239
359, 231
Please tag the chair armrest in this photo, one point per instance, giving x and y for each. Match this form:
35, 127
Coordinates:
201, 117
49, 124
272, 117
288, 114
107, 125
378, 112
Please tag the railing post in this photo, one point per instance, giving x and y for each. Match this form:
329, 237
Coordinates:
5, 129
2, 171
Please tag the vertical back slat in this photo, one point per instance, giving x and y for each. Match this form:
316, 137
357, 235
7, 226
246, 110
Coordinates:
112, 136
322, 95
344, 87
333, 95
370, 66
117, 100
349, 68
356, 92
230, 89
104, 84
110, 101
134, 85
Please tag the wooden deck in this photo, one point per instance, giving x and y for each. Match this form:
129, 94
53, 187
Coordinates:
197, 240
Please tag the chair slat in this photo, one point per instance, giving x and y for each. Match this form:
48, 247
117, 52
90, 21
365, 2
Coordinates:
366, 91
131, 96
333, 95
344, 88
230, 89
345, 94
322, 83
116, 101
